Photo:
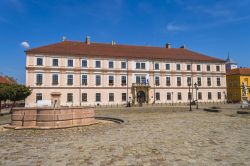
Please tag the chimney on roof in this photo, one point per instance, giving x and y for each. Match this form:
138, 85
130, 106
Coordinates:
64, 38
87, 40
113, 42
183, 46
168, 45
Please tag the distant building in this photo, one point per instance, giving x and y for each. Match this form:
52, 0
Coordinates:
230, 64
235, 78
83, 73
4, 80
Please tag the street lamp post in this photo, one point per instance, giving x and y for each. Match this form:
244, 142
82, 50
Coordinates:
189, 96
196, 88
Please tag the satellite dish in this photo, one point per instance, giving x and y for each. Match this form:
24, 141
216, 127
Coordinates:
25, 45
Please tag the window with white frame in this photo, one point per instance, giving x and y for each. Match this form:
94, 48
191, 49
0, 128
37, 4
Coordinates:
140, 65
98, 97
123, 65
70, 79
97, 64
111, 80
168, 95
189, 81
209, 83
178, 81
198, 67
97, 80
167, 66
218, 81
157, 96
188, 67
178, 67
111, 97
39, 96
39, 79
157, 80
84, 79
84, 63
124, 80
39, 61
55, 62
208, 68
199, 81
111, 64
84, 97
141, 79
69, 97
54, 79
179, 97
168, 81
157, 66
70, 63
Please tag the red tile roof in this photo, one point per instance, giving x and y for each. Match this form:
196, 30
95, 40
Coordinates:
4, 80
75, 48
239, 71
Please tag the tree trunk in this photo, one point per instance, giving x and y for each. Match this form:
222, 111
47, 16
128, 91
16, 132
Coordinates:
13, 104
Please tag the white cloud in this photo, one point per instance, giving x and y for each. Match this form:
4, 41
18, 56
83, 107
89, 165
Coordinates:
173, 27
25, 45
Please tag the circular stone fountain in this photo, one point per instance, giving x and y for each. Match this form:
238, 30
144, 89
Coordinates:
47, 117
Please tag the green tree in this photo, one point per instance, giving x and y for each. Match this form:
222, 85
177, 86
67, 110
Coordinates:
5, 93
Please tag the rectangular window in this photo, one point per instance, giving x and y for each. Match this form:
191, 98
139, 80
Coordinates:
219, 95
98, 97
124, 97
124, 80
84, 63
208, 68
54, 62
217, 68
111, 64
198, 67
84, 79
218, 81
84, 97
199, 81
188, 67
143, 65
179, 96
157, 66
138, 65
111, 80
39, 96
111, 96
209, 81
39, 79
167, 66
168, 96
39, 61
189, 81
199, 96
168, 81
54, 79
143, 80
189, 95
70, 63
178, 67
178, 81
157, 80
98, 64
97, 80
69, 97
157, 96
138, 79
70, 79
123, 65
209, 96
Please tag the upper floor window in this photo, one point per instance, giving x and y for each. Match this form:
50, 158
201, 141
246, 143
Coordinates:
199, 95
157, 66
167, 66
157, 80
98, 64
168, 81
98, 80
157, 96
39, 96
168, 96
179, 97
111, 96
219, 95
188, 67
140, 79
70, 63
198, 67
54, 62
209, 96
84, 63
189, 81
208, 81
84, 97
124, 97
111, 80
123, 65
54, 79
69, 97
208, 68
70, 79
39, 61
140, 65
124, 80
84, 79
111, 64
218, 81
39, 79
98, 97
199, 81
217, 68
178, 81
178, 67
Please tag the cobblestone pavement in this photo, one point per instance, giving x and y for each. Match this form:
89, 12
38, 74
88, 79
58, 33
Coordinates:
155, 137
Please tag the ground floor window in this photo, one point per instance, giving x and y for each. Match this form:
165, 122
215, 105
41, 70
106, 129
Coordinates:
157, 96
111, 96
98, 97
219, 95
189, 95
84, 97
124, 97
179, 96
168, 96
39, 96
209, 96
70, 97
199, 96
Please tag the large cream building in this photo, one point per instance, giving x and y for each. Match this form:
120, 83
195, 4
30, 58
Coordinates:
83, 73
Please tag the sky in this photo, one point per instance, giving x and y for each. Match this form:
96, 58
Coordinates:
211, 27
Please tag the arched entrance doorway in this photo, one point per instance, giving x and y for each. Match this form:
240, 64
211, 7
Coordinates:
141, 97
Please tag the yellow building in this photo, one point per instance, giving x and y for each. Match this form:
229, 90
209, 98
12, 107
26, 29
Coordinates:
235, 78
